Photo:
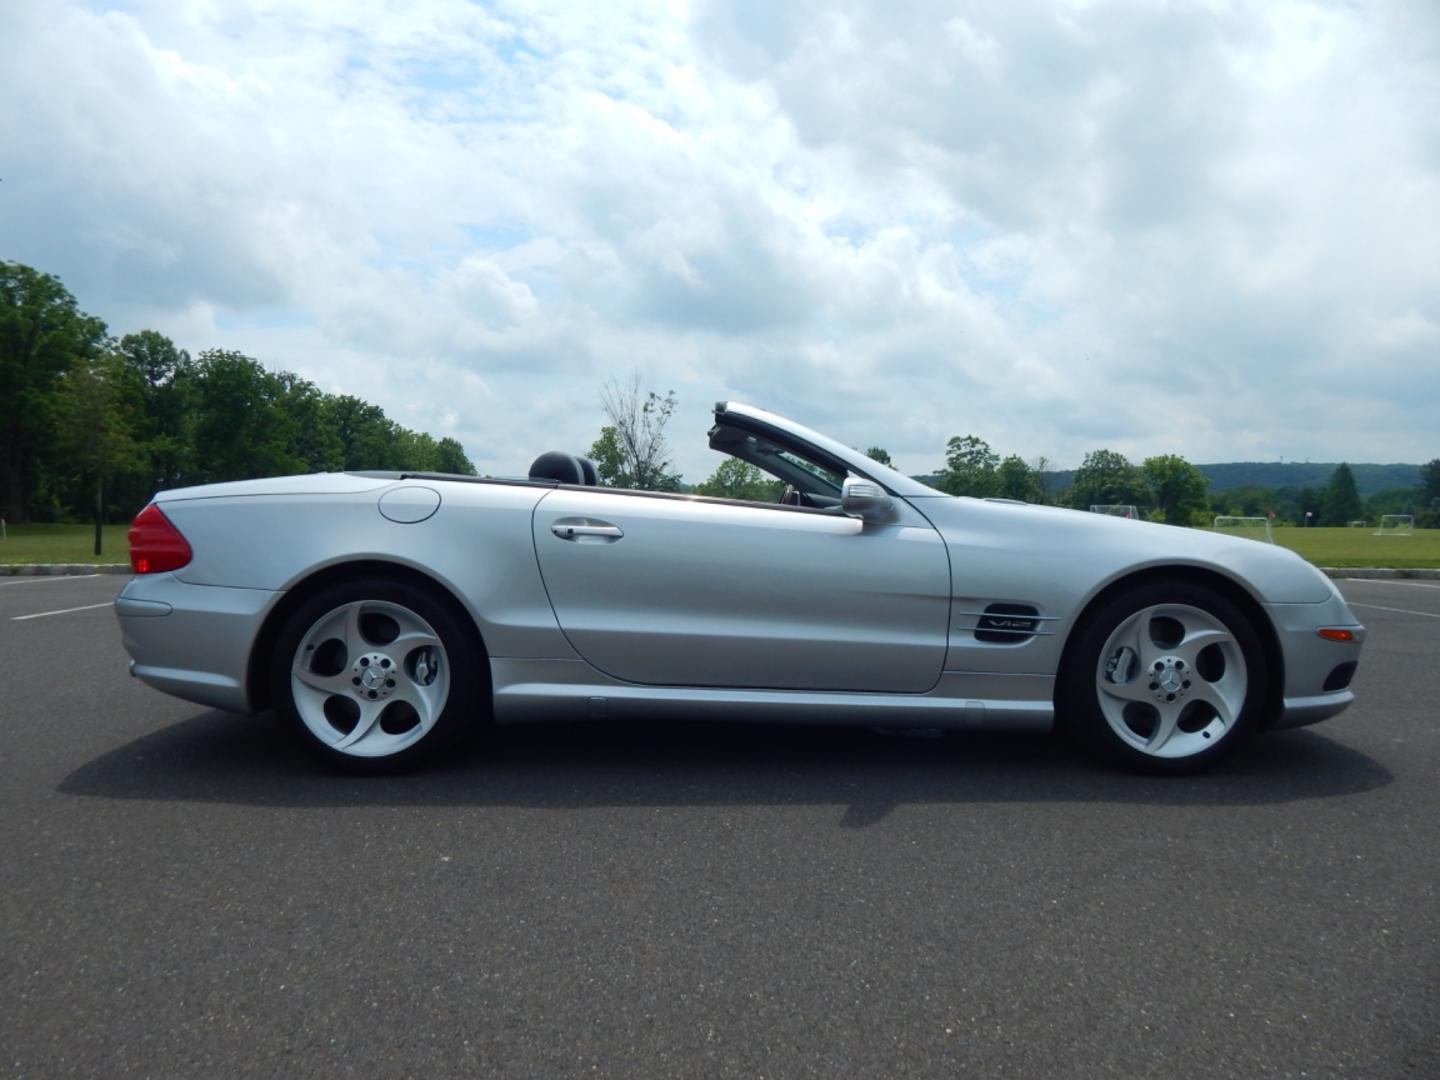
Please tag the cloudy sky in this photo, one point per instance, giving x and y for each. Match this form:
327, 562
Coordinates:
1204, 228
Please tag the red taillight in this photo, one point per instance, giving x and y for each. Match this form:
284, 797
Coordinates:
1336, 633
155, 544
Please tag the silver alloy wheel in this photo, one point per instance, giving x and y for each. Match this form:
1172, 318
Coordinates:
1171, 680
370, 678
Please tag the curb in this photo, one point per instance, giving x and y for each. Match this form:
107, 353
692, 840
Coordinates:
1379, 574
61, 569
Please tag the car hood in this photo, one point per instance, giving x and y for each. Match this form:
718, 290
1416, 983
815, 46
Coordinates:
1112, 547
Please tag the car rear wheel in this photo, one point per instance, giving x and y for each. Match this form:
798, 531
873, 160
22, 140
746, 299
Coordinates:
1165, 677
377, 676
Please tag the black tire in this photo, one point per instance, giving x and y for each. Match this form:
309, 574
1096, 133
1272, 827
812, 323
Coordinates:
466, 693
1115, 730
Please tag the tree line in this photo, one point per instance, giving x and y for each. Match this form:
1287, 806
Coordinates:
1164, 488
1168, 488
1337, 502
92, 425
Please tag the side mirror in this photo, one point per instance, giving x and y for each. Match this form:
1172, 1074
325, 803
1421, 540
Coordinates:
866, 500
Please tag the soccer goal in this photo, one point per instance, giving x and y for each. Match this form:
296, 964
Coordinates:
1252, 528
1396, 525
1361, 524
1116, 510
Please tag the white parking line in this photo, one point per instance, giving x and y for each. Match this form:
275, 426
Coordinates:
1397, 610
68, 610
1387, 581
47, 579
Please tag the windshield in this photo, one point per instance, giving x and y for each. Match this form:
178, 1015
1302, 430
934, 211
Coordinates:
828, 481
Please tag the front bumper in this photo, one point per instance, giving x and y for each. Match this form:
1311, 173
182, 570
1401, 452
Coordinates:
192, 641
1313, 663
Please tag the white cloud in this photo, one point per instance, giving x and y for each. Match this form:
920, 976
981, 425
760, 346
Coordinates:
1209, 230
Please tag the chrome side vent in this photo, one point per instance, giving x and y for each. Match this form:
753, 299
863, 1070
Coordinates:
1007, 624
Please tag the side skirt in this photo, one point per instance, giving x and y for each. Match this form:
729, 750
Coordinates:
536, 691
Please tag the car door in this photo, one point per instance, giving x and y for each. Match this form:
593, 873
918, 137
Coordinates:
675, 590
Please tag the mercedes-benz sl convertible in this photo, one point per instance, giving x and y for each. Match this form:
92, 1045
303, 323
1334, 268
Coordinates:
386, 615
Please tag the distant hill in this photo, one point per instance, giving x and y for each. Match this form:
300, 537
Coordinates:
1274, 474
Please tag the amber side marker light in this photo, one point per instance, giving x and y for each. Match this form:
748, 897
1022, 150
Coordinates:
1334, 633
155, 544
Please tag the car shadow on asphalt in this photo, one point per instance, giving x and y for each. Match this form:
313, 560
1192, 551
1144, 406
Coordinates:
217, 757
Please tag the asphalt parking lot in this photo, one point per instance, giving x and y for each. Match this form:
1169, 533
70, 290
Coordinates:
182, 894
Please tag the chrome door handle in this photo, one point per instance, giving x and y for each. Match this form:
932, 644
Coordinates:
580, 530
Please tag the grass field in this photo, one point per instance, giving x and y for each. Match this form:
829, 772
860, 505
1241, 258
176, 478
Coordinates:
1360, 547
1323, 547
63, 544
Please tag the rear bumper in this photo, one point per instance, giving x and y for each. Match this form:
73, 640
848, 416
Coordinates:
192, 641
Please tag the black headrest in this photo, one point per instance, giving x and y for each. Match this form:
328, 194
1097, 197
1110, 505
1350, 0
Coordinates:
556, 465
592, 475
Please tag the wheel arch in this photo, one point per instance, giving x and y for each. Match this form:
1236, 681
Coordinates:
1227, 587
257, 683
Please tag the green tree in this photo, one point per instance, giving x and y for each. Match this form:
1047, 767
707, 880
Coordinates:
1392, 501
635, 451
1341, 503
450, 458
1018, 481
880, 454
736, 479
416, 451
240, 429
43, 334
971, 468
94, 438
162, 377
367, 437
311, 434
1430, 484
152, 356
1281, 502
610, 459
1176, 488
1040, 468
80, 414
1247, 500
1104, 478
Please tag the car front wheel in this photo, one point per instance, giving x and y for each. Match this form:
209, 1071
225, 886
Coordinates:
1164, 677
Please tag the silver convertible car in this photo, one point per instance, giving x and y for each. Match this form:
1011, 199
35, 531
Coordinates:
387, 614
